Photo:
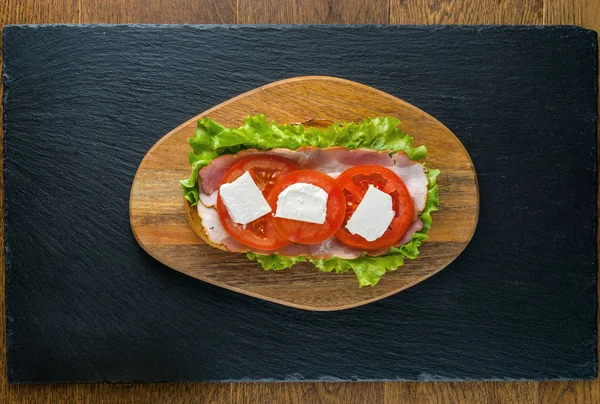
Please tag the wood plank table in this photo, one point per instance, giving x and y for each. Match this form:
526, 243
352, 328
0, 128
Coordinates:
585, 13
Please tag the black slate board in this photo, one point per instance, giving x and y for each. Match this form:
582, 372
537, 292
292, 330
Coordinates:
83, 104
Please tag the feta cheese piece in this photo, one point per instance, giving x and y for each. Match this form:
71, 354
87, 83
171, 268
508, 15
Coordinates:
303, 202
373, 215
243, 200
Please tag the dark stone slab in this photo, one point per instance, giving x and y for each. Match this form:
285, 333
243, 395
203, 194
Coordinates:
83, 104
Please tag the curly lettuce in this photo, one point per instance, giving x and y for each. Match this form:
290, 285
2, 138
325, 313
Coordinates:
383, 133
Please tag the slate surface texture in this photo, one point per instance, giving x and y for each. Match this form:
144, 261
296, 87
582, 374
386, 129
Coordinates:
83, 104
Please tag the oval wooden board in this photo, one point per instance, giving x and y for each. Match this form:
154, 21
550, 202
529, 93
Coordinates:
160, 225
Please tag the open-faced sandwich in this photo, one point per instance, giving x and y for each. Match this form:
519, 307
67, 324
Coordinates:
349, 196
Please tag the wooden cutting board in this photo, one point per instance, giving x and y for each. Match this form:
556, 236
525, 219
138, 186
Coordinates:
162, 220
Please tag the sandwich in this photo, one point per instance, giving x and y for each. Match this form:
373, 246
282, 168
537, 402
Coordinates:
347, 196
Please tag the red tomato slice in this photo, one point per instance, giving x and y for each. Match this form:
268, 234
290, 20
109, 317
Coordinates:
265, 171
355, 181
304, 232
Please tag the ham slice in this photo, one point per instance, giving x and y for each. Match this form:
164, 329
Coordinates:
413, 175
337, 159
210, 199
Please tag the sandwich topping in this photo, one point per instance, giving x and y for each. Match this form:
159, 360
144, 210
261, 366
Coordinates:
361, 202
303, 202
373, 216
243, 200
368, 208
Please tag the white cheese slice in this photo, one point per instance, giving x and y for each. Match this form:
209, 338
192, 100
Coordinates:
243, 200
373, 215
303, 202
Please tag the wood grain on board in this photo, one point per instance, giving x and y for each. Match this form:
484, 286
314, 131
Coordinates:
313, 12
466, 12
580, 12
161, 227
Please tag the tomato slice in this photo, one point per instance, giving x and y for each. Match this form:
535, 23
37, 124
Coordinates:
355, 181
265, 171
304, 232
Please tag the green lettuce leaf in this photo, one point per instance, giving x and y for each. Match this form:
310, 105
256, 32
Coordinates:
383, 133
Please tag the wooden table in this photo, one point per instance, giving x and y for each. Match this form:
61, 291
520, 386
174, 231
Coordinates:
585, 13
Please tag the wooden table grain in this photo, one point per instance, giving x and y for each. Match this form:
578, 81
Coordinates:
585, 13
